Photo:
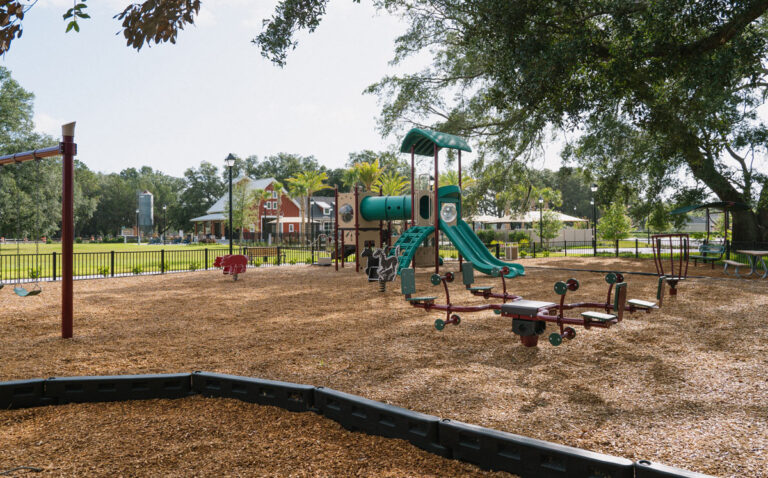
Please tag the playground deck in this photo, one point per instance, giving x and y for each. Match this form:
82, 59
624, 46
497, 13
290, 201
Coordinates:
687, 391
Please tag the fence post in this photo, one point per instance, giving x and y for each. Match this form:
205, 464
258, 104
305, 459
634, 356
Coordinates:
534, 250
162, 261
565, 248
498, 247
617, 248
637, 255
54, 266
727, 249
206, 258
594, 247
112, 263
278, 255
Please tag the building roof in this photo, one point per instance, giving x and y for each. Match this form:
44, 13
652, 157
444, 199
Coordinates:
530, 216
219, 216
253, 184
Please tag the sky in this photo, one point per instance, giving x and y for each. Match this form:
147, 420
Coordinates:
212, 93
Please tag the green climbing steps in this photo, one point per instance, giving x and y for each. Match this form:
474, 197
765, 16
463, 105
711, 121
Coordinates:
409, 241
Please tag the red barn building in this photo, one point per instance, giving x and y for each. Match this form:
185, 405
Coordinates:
214, 223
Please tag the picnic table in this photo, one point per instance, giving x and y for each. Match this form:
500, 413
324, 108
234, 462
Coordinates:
753, 257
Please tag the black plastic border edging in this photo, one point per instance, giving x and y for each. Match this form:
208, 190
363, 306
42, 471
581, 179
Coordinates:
376, 418
528, 457
487, 448
290, 396
646, 469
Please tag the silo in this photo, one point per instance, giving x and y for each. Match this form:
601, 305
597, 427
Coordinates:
146, 212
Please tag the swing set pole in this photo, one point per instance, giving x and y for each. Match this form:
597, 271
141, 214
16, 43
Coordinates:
68, 149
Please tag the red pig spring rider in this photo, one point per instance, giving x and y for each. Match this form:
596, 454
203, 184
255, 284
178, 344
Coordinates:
233, 264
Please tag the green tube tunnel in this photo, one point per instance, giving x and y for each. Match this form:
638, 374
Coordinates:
385, 208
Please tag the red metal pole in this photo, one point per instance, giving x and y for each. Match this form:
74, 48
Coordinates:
413, 193
336, 225
461, 259
69, 149
437, 219
357, 230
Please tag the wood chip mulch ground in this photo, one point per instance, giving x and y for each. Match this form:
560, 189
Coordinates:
204, 437
685, 386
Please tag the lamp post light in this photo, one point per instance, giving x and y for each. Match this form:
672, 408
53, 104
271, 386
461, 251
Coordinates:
165, 223
230, 161
541, 222
138, 229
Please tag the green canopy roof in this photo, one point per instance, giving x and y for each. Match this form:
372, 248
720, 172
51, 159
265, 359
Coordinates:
712, 205
423, 142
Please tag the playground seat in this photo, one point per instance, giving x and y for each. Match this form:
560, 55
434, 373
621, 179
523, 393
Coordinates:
642, 304
481, 288
421, 299
528, 308
599, 316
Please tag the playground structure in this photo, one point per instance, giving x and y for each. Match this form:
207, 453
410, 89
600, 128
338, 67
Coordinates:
678, 269
529, 317
67, 149
426, 212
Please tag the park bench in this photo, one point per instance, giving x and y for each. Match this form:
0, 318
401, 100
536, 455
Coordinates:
715, 250
262, 253
735, 264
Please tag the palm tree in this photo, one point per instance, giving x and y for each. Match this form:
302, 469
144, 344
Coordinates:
261, 196
451, 178
368, 173
392, 183
298, 190
314, 181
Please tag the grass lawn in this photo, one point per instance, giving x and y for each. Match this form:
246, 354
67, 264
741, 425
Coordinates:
29, 248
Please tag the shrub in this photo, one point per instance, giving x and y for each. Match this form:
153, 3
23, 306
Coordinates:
308, 261
103, 271
193, 266
519, 237
523, 254
257, 263
545, 254
486, 235
292, 262
48, 240
137, 270
78, 240
34, 273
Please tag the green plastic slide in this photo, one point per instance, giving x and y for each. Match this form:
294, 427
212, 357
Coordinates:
472, 248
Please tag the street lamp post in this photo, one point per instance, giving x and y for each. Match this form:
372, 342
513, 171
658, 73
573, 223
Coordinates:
541, 222
138, 229
594, 219
165, 223
230, 161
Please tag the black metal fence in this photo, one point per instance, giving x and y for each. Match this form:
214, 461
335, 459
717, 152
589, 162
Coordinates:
89, 265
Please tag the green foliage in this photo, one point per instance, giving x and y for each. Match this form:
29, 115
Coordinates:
103, 271
550, 225
78, 11
658, 221
257, 263
615, 224
137, 270
392, 183
193, 266
486, 235
34, 273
